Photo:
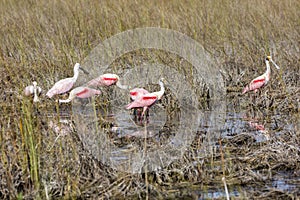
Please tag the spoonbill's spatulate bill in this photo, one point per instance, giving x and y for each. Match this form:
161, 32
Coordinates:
33, 90
106, 80
262, 80
81, 92
147, 100
66, 84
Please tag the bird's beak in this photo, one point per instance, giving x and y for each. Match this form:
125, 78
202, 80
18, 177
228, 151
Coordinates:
164, 81
124, 87
275, 64
85, 71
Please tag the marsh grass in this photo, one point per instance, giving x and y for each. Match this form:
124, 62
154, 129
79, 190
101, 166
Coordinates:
42, 40
30, 139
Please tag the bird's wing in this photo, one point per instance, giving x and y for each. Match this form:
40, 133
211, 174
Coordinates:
85, 92
28, 90
109, 80
82, 93
144, 101
103, 80
135, 104
137, 92
255, 84
94, 82
61, 86
143, 91
39, 90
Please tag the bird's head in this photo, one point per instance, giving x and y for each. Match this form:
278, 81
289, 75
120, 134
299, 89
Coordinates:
78, 67
34, 83
162, 80
269, 59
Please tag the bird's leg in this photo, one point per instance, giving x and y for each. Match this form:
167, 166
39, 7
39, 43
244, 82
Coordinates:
254, 97
57, 109
137, 115
144, 110
147, 115
143, 113
135, 111
267, 100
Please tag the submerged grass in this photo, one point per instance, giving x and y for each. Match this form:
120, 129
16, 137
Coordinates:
41, 40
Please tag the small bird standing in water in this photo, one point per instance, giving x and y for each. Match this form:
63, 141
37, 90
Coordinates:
262, 80
147, 100
81, 92
66, 84
107, 80
33, 89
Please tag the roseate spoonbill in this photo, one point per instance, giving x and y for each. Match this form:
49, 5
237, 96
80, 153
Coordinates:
262, 80
147, 100
81, 92
66, 84
33, 89
256, 126
134, 94
106, 80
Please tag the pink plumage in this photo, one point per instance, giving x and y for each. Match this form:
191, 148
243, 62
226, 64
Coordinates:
60, 87
255, 85
137, 92
103, 80
81, 92
144, 101
85, 92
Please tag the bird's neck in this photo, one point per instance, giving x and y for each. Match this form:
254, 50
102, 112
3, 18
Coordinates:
76, 73
268, 67
268, 71
35, 98
162, 90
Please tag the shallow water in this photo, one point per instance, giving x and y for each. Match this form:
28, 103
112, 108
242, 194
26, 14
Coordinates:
154, 143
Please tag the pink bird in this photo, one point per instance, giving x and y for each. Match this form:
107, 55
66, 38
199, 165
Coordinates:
147, 100
33, 90
81, 92
257, 126
106, 80
134, 94
66, 84
262, 80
